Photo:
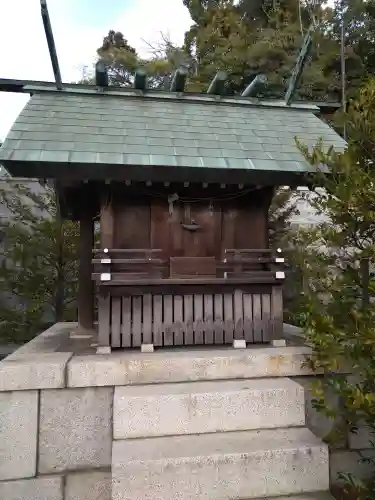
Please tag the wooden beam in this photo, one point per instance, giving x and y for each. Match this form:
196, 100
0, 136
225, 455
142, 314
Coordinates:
51, 43
140, 80
298, 68
179, 80
85, 282
101, 74
12, 85
257, 83
218, 83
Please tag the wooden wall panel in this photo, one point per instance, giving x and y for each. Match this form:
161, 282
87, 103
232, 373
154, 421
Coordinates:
147, 223
132, 225
160, 227
245, 221
200, 243
176, 232
228, 230
168, 233
251, 224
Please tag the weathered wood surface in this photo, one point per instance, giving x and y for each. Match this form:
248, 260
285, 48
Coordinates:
276, 327
192, 266
86, 285
116, 322
195, 270
143, 218
128, 264
190, 319
105, 312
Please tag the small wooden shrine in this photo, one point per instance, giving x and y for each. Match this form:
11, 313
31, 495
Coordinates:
182, 185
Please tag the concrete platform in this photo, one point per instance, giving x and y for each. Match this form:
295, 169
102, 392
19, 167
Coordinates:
203, 407
221, 466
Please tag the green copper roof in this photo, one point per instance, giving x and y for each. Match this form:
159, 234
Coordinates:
62, 128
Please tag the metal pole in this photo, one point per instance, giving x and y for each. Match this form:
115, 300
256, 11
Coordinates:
51, 43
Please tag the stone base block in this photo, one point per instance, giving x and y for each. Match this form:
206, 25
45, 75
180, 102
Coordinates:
350, 461
363, 439
95, 485
18, 434
239, 344
147, 348
103, 350
34, 371
75, 429
252, 464
39, 488
186, 365
278, 343
322, 426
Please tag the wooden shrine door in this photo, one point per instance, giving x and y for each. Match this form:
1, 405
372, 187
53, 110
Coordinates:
188, 233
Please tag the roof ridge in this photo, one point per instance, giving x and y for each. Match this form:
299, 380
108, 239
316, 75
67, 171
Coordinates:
184, 97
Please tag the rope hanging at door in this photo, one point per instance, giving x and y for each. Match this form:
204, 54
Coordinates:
192, 225
171, 199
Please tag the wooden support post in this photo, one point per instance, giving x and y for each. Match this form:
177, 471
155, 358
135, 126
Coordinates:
106, 241
85, 283
276, 314
104, 320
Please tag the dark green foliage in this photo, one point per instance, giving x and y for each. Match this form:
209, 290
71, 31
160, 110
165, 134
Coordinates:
246, 38
121, 59
337, 259
38, 274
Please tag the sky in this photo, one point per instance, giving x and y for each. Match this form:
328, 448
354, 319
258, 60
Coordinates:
79, 27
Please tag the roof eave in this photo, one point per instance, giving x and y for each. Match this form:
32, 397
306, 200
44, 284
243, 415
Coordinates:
154, 173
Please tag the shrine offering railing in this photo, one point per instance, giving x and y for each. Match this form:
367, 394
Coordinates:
118, 264
114, 266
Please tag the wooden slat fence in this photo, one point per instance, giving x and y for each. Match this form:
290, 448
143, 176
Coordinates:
191, 319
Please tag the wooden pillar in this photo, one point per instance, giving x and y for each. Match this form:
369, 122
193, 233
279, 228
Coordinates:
85, 282
277, 311
106, 241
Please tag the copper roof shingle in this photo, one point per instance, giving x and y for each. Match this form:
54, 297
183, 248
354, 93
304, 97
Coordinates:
65, 127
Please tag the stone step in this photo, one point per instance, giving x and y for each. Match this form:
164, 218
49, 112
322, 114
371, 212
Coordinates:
323, 495
221, 466
204, 407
